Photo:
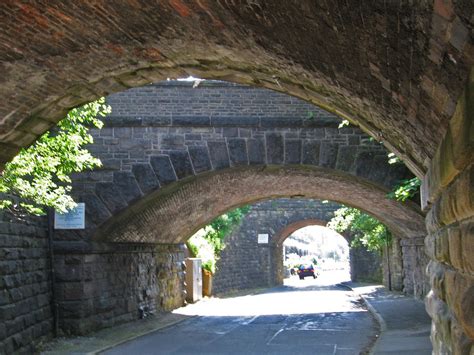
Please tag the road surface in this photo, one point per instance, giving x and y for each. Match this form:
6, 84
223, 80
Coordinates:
302, 317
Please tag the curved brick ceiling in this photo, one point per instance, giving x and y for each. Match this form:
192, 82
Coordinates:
174, 213
395, 68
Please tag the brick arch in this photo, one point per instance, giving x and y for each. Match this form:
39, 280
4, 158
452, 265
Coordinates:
183, 207
398, 85
293, 227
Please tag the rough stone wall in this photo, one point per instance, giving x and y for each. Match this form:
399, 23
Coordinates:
404, 83
403, 270
213, 103
246, 264
26, 317
103, 285
448, 196
415, 261
365, 265
168, 132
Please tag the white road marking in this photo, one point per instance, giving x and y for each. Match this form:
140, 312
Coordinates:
274, 335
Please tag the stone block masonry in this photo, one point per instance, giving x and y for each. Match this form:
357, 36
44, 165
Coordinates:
246, 264
213, 127
448, 195
101, 285
26, 317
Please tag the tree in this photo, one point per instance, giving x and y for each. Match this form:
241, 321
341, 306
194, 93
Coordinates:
208, 242
369, 232
40, 174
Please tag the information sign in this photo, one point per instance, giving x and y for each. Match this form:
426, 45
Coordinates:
263, 239
74, 219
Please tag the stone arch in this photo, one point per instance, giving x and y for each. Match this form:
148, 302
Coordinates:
403, 85
183, 207
278, 218
293, 227
146, 150
393, 96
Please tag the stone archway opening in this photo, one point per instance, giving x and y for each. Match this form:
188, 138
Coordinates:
321, 246
404, 84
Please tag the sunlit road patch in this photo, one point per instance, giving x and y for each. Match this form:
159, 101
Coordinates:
302, 317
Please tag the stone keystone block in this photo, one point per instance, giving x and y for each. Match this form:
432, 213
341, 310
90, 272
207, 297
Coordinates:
293, 149
238, 151
328, 155
275, 148
256, 151
311, 152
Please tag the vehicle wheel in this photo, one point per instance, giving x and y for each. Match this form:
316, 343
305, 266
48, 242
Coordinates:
301, 278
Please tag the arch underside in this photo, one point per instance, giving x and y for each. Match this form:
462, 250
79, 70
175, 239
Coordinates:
393, 84
174, 213
293, 227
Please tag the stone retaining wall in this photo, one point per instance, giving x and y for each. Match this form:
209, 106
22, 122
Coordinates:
104, 284
26, 316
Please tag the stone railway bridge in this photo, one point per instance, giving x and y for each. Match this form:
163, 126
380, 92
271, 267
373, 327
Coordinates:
175, 157
401, 71
246, 264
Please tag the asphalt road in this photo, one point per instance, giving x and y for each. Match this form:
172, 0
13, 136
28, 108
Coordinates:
303, 317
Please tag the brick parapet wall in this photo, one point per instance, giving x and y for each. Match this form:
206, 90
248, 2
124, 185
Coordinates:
26, 317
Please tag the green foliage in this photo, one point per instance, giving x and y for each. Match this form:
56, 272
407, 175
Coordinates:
40, 174
393, 159
369, 232
209, 241
344, 123
405, 190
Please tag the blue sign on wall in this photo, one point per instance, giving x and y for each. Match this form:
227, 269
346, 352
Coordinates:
74, 219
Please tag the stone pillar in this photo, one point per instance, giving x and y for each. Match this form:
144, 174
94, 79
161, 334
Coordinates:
448, 198
365, 265
278, 272
392, 265
415, 261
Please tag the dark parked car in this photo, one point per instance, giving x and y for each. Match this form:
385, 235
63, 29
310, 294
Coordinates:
306, 270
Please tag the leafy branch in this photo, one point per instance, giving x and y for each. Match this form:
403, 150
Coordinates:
369, 232
40, 174
209, 241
